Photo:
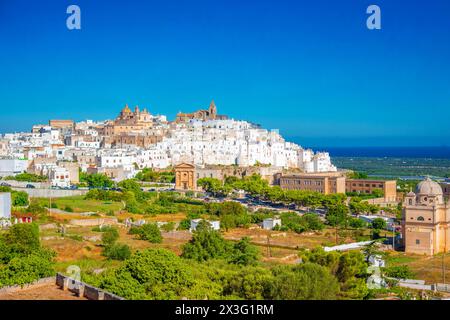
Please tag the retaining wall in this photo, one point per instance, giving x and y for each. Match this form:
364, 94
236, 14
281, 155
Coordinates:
84, 290
51, 193
35, 284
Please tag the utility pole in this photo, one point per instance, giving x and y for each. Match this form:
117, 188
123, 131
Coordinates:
393, 236
269, 253
336, 234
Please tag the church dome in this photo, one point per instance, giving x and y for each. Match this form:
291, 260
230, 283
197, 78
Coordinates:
429, 187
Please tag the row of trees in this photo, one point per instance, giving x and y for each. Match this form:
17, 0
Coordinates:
27, 177
149, 175
258, 187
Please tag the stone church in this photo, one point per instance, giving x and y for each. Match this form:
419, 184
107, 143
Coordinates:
209, 114
426, 220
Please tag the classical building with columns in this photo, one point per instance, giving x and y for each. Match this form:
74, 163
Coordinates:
426, 220
185, 177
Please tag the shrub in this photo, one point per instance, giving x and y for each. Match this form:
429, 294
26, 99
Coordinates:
399, 272
169, 226
205, 244
110, 236
19, 198
148, 231
307, 281
117, 252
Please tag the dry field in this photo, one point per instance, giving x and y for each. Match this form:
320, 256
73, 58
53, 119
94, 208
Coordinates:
288, 240
42, 292
424, 267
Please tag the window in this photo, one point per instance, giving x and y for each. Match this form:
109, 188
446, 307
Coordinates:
410, 202
420, 218
417, 241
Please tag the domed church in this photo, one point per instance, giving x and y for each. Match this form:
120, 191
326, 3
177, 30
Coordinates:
426, 220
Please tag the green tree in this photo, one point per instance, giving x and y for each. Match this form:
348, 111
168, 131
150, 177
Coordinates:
133, 186
306, 281
244, 253
22, 270
149, 274
96, 180
23, 238
205, 244
117, 251
250, 283
337, 215
149, 232
19, 198
378, 224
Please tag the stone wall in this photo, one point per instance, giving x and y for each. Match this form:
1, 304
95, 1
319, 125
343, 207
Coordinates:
35, 284
83, 289
51, 193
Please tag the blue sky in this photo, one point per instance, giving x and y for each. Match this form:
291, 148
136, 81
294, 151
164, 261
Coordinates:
309, 68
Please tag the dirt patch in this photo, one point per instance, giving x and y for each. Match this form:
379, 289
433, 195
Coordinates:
288, 240
43, 292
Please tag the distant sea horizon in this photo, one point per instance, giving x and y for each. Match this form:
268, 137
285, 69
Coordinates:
430, 152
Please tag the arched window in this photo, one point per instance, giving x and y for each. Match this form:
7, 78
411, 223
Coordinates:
420, 218
410, 202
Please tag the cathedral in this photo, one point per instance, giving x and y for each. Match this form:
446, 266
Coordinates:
128, 121
426, 220
209, 114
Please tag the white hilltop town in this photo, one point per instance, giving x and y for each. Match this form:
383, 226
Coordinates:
137, 139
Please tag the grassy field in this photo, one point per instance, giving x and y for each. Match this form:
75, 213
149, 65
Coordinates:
79, 204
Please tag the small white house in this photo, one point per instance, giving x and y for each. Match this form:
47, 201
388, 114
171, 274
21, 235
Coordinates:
5, 206
215, 225
270, 223
60, 177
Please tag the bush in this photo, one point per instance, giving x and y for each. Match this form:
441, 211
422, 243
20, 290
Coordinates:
110, 236
244, 253
36, 208
169, 226
307, 281
23, 258
117, 252
149, 274
22, 270
68, 209
205, 244
399, 272
19, 198
148, 231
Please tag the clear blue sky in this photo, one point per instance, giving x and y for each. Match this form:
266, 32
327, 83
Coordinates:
309, 68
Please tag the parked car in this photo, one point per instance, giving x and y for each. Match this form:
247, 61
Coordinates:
30, 186
4, 184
